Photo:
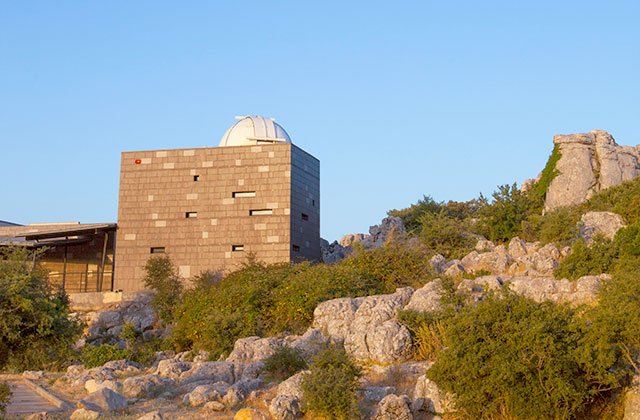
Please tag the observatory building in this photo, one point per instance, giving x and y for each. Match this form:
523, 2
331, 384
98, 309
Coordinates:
209, 208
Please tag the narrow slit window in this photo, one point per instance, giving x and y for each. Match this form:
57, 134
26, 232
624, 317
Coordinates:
191, 214
313, 202
237, 248
260, 212
243, 194
296, 248
157, 250
305, 216
196, 178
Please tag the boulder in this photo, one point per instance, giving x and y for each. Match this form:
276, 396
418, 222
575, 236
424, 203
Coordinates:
427, 298
210, 371
455, 269
334, 317
285, 407
389, 342
333, 252
517, 248
604, 223
104, 399
438, 263
172, 368
253, 349
351, 238
238, 392
589, 163
632, 400
85, 414
93, 385
33, 375
581, 291
394, 407
153, 415
123, 367
145, 385
428, 397
377, 393
292, 386
310, 343
201, 395
214, 406
390, 228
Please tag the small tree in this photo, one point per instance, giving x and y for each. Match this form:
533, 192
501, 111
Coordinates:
165, 281
5, 395
35, 328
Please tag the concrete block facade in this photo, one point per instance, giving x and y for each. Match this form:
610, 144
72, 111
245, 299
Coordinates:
208, 208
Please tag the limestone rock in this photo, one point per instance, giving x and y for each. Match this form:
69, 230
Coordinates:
285, 407
201, 395
388, 342
211, 371
93, 385
390, 228
590, 162
253, 349
438, 263
429, 396
377, 393
352, 238
153, 415
334, 317
43, 415
104, 399
123, 367
238, 392
484, 245
214, 406
145, 385
427, 298
582, 291
310, 343
632, 401
394, 407
455, 269
33, 375
333, 252
172, 368
85, 414
603, 223
292, 386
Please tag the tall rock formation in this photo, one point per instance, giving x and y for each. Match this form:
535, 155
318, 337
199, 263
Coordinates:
590, 162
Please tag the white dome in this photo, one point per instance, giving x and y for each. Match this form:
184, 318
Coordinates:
252, 130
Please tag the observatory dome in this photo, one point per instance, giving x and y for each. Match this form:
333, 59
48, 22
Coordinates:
252, 130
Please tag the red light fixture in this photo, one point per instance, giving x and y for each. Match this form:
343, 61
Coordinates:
138, 161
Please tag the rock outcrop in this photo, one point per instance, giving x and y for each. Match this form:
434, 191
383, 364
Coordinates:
602, 223
590, 162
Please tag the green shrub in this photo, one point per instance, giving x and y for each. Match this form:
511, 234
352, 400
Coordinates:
93, 356
285, 362
559, 226
161, 276
502, 219
36, 331
587, 260
512, 357
623, 199
445, 235
393, 265
5, 396
330, 388
627, 241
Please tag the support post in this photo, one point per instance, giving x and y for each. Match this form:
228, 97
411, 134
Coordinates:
102, 261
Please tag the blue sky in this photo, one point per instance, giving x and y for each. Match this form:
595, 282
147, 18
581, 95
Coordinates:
396, 99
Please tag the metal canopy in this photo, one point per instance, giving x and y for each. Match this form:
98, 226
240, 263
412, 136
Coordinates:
76, 230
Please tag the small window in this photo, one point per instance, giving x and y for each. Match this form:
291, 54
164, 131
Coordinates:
237, 248
157, 250
241, 194
196, 178
305, 216
260, 212
296, 248
191, 214
313, 202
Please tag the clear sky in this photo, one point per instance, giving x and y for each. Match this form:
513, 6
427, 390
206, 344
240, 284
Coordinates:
397, 99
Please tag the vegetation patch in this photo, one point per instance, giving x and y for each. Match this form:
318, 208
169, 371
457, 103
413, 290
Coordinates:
36, 331
5, 396
284, 363
330, 388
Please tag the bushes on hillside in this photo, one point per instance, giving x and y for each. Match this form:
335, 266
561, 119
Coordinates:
512, 357
584, 260
284, 363
446, 235
329, 390
262, 300
35, 328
